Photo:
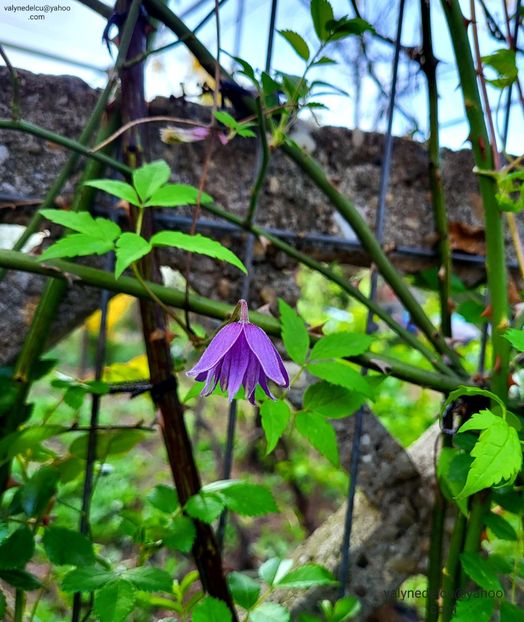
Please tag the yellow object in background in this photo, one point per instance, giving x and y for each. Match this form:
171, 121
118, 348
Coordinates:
118, 307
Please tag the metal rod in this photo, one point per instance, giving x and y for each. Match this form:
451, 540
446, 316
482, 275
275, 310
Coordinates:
343, 575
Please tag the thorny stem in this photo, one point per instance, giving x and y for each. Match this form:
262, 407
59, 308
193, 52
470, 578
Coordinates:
452, 568
512, 223
438, 515
211, 308
15, 83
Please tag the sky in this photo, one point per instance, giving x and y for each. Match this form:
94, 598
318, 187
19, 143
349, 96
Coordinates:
73, 32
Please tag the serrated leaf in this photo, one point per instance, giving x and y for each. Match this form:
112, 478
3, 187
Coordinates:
129, 248
249, 499
16, 549
116, 188
205, 506
149, 178
497, 456
319, 433
181, 534
244, 590
115, 601
76, 245
211, 609
478, 609
197, 244
500, 527
86, 579
309, 575
468, 390
331, 400
516, 338
65, 546
149, 579
294, 333
479, 421
296, 42
511, 613
269, 612
321, 14
274, 569
504, 62
175, 195
164, 498
342, 375
340, 345
108, 443
343, 28
81, 222
20, 579
275, 418
479, 570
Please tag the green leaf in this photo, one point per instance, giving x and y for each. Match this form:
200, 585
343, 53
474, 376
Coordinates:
296, 42
249, 499
500, 527
174, 195
294, 333
339, 373
3, 605
319, 433
497, 454
181, 534
211, 609
505, 65
149, 579
244, 590
321, 14
65, 546
197, 244
469, 608
332, 401
479, 570
343, 28
452, 471
81, 222
36, 493
115, 601
20, 579
516, 338
309, 575
269, 612
226, 119
340, 345
149, 178
117, 188
108, 443
511, 613
164, 498
86, 579
16, 549
325, 60
205, 506
21, 441
275, 418
76, 245
346, 608
479, 421
129, 248
274, 569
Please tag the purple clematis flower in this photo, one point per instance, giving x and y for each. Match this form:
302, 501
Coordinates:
240, 354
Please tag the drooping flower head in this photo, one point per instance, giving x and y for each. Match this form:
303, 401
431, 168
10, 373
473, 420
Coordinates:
240, 354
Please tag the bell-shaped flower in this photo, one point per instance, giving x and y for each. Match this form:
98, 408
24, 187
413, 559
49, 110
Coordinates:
240, 354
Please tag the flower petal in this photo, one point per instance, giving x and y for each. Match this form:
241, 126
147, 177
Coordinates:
251, 377
267, 354
262, 381
211, 381
234, 367
221, 343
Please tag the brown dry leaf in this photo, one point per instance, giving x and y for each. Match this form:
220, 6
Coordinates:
466, 238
